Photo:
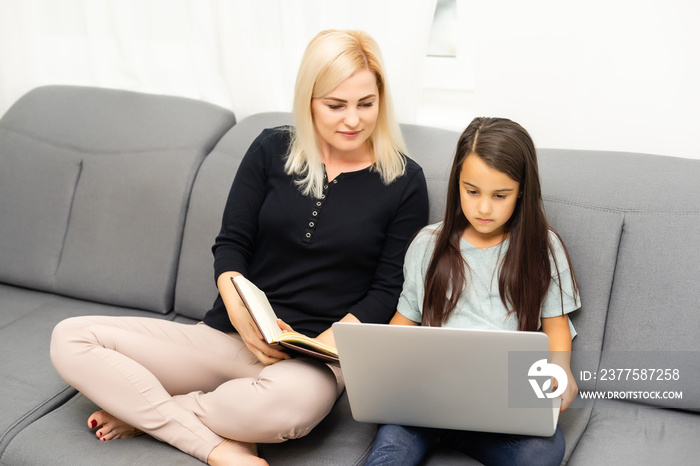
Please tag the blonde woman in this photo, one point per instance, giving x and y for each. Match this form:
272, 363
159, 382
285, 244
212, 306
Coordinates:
319, 217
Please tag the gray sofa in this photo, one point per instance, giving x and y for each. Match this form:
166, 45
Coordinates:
110, 202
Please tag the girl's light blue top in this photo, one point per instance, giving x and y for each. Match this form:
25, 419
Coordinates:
480, 305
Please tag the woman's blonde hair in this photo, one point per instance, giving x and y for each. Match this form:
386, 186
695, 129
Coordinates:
331, 57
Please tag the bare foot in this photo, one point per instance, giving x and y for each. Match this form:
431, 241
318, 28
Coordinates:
109, 427
238, 453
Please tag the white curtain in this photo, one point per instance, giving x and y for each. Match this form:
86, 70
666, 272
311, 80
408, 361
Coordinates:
239, 54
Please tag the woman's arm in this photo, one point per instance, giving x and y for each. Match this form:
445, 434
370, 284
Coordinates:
557, 329
411, 215
244, 323
234, 244
233, 247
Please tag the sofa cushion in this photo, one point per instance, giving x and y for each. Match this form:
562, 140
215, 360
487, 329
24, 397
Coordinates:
16, 302
659, 199
591, 232
337, 440
124, 234
36, 195
29, 386
120, 230
620, 181
624, 433
433, 149
67, 425
656, 253
330, 443
653, 320
111, 120
592, 237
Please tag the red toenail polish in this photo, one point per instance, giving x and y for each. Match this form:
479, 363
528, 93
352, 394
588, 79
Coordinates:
93, 423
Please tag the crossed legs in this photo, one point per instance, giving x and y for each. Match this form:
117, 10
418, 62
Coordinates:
189, 385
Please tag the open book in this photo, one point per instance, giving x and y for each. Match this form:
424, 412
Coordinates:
266, 320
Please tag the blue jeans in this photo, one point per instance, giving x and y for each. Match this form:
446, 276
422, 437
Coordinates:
403, 446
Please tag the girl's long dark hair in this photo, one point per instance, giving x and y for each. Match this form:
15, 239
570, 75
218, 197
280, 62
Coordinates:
525, 274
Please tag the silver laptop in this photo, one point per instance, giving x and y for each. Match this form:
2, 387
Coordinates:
482, 380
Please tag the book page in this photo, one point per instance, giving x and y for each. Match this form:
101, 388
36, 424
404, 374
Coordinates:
259, 307
308, 342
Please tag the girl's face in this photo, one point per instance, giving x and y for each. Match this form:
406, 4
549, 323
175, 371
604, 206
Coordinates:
488, 198
345, 118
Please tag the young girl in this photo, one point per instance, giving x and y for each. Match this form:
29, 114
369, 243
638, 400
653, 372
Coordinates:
493, 263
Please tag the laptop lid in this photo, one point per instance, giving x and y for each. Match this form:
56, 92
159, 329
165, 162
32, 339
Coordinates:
462, 379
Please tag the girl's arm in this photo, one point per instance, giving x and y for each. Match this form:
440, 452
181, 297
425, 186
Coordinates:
400, 319
326, 337
557, 329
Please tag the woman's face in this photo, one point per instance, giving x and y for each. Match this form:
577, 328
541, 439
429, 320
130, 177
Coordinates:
345, 118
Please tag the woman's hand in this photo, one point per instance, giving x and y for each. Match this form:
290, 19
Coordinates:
244, 323
253, 339
285, 327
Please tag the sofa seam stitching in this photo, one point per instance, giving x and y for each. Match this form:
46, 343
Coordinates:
620, 210
28, 414
84, 150
68, 223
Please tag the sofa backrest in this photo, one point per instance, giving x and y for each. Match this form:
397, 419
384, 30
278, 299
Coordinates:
632, 225
591, 232
196, 287
94, 186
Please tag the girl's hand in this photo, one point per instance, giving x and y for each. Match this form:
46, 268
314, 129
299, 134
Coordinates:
557, 329
326, 337
570, 393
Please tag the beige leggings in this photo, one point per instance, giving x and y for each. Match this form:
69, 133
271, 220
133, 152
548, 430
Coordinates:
191, 385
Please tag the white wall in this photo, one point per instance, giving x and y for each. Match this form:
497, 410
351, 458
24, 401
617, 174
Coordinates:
614, 75
617, 75
239, 54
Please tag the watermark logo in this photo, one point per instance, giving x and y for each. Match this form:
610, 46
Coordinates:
542, 368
